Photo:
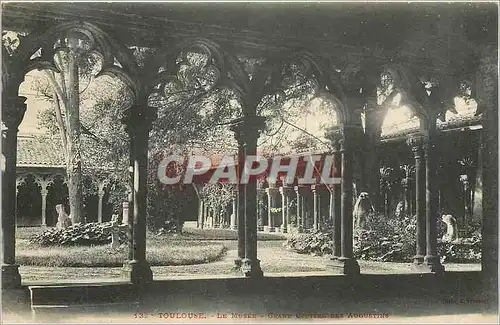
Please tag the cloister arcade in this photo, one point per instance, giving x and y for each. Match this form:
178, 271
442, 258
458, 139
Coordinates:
456, 44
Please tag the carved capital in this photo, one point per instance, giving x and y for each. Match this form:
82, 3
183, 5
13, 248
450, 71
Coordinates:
44, 182
102, 186
13, 109
417, 144
285, 190
247, 129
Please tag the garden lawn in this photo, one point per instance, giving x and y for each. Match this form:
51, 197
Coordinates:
159, 253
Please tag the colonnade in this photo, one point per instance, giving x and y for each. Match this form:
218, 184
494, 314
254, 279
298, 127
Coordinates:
45, 182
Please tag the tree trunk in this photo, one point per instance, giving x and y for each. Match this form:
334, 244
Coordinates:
73, 157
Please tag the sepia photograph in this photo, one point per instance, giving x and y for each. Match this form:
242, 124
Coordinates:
249, 162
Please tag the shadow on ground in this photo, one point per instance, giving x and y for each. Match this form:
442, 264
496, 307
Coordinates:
378, 298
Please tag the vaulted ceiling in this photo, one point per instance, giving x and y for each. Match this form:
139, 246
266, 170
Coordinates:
428, 35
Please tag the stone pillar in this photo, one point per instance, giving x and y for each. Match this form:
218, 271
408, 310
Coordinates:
126, 120
303, 211
261, 209
337, 198
125, 212
241, 201
300, 223
199, 220
139, 123
347, 144
487, 94
246, 131
44, 192
13, 109
432, 194
284, 209
44, 184
100, 193
314, 189
416, 144
272, 193
234, 215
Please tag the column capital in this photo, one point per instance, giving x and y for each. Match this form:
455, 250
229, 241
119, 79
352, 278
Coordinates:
299, 189
417, 143
272, 190
101, 186
247, 127
13, 109
285, 189
44, 182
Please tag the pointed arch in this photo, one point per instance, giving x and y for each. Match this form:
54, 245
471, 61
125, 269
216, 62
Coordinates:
46, 43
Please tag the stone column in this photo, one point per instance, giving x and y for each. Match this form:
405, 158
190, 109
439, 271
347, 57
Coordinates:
416, 144
300, 223
234, 215
349, 264
284, 209
337, 198
432, 193
100, 192
261, 210
303, 210
272, 193
314, 189
246, 131
199, 220
13, 109
140, 120
44, 184
241, 201
125, 212
126, 120
44, 192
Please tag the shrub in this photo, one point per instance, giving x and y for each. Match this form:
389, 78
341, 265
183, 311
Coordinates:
79, 234
384, 240
463, 250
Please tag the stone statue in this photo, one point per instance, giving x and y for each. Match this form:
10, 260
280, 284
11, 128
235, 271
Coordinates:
63, 220
451, 233
362, 208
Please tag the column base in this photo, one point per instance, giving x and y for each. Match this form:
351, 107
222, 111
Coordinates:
234, 227
434, 265
283, 229
140, 272
418, 259
11, 279
343, 265
237, 263
260, 228
251, 268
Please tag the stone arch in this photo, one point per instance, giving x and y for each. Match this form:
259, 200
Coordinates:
36, 51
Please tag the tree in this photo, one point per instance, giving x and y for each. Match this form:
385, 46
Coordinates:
74, 65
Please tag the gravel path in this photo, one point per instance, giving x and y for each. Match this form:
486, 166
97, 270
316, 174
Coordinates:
274, 260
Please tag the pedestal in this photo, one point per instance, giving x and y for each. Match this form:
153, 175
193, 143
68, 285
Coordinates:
342, 265
140, 272
11, 279
251, 268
